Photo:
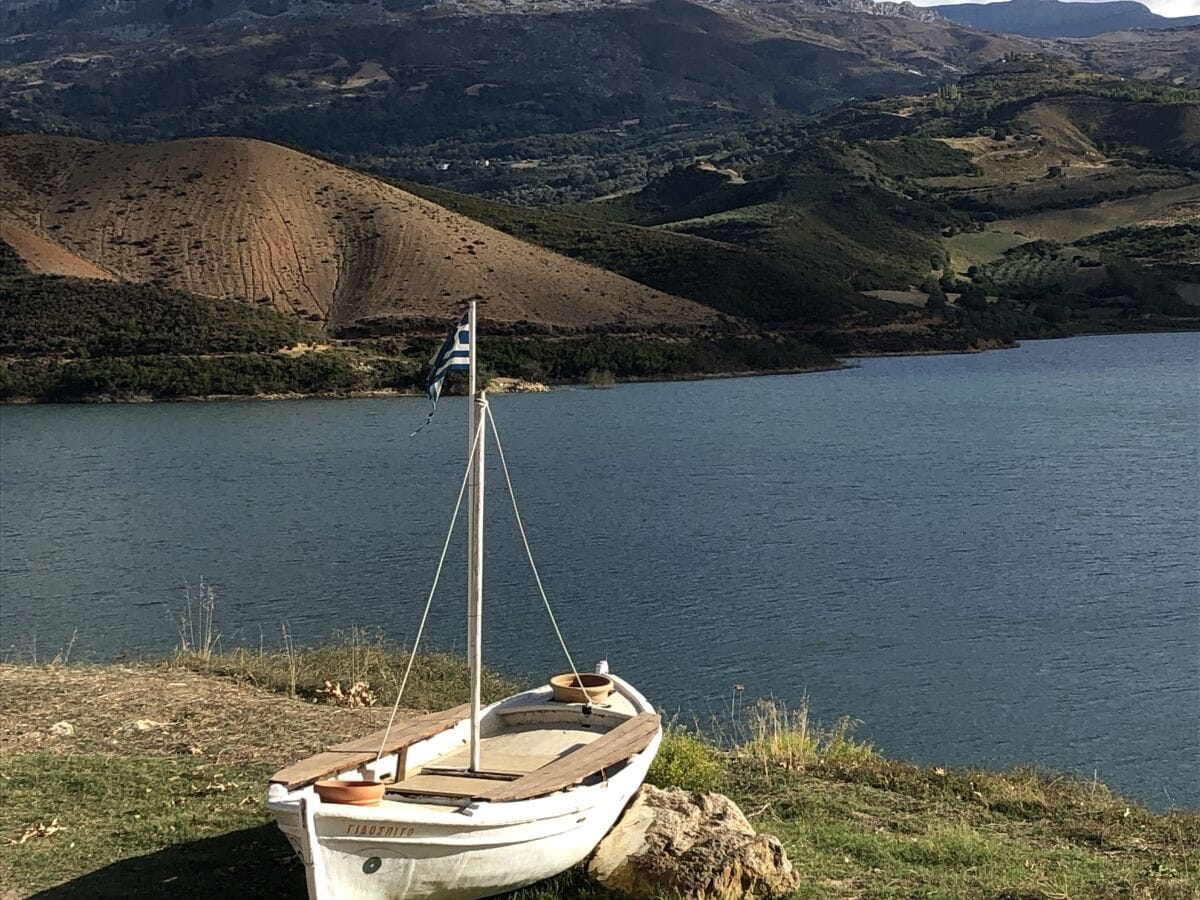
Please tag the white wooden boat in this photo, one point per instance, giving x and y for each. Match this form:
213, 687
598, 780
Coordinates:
477, 800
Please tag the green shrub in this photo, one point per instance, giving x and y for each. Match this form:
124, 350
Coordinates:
685, 760
49, 314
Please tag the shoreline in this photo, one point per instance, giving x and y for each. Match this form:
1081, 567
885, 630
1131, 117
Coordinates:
514, 385
533, 387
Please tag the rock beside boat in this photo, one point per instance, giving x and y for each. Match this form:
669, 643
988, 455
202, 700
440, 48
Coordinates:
680, 843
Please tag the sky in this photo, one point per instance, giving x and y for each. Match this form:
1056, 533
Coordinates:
1162, 7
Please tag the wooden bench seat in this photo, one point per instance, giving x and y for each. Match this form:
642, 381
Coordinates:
627, 739
614, 747
494, 763
352, 754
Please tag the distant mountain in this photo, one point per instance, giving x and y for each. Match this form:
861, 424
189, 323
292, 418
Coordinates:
1057, 19
1171, 56
525, 101
530, 100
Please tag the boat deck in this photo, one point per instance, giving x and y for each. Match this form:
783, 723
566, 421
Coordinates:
520, 751
530, 762
503, 758
526, 759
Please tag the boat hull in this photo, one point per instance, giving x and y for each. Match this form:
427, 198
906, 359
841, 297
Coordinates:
454, 852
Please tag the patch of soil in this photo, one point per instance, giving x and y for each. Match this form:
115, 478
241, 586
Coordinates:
158, 710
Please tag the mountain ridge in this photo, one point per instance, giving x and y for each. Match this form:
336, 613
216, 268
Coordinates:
1060, 19
1023, 200
530, 103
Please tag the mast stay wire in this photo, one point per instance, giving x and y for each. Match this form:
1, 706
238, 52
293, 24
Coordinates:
412, 656
528, 552
442, 560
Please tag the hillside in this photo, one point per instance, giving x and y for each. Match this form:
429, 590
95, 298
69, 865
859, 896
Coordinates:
1169, 56
530, 102
1064, 196
1058, 19
232, 267
525, 102
240, 219
1024, 199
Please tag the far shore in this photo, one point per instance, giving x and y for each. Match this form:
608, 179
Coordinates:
511, 385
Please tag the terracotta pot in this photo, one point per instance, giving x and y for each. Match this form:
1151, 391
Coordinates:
352, 793
587, 688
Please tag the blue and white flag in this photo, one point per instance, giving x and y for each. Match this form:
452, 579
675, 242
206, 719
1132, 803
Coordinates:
454, 354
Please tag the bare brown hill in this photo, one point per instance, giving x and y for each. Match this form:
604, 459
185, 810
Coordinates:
44, 256
236, 218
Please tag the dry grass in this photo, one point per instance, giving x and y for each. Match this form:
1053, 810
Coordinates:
1072, 224
198, 636
353, 657
783, 738
160, 710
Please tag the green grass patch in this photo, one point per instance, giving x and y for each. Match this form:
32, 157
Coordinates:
140, 826
686, 760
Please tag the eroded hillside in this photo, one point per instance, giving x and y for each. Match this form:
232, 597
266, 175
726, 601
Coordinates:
244, 219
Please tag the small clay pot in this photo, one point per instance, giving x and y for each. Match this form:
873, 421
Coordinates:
351, 793
587, 688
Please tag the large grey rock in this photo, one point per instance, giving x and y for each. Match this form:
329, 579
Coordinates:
679, 843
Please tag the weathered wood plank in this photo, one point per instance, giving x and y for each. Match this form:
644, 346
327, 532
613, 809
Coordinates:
351, 754
465, 786
618, 745
493, 761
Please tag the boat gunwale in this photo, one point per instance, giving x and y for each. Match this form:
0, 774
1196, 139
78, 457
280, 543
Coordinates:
427, 810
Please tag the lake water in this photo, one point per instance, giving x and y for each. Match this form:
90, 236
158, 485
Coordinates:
986, 559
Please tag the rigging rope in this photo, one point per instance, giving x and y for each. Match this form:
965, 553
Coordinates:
529, 552
429, 602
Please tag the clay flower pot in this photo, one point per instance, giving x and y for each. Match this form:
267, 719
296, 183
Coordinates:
587, 688
353, 793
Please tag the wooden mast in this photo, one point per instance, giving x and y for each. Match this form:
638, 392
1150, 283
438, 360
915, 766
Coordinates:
475, 419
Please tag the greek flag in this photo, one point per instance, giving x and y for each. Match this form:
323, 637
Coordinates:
455, 353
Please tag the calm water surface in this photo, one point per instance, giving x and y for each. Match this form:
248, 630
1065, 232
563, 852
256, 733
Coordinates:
985, 559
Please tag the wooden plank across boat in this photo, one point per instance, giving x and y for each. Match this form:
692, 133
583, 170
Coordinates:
629, 738
359, 752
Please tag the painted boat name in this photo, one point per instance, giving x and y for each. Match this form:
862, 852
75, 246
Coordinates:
380, 830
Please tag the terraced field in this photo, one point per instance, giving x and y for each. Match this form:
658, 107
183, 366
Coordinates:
1066, 225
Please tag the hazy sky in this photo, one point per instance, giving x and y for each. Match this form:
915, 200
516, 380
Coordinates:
1162, 7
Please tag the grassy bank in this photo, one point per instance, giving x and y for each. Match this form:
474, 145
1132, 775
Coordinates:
143, 780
